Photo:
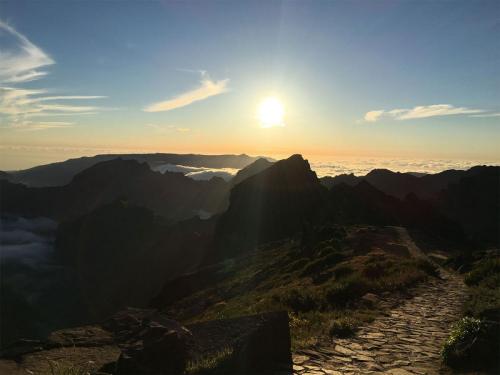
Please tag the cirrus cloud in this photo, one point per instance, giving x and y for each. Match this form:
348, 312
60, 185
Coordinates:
207, 89
20, 62
418, 112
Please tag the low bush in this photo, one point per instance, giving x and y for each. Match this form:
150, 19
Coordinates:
473, 344
297, 300
342, 327
484, 269
341, 293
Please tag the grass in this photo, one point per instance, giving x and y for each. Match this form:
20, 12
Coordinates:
58, 368
483, 280
209, 362
321, 290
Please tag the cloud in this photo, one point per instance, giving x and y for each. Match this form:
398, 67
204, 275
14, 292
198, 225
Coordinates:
43, 125
197, 173
419, 112
487, 115
207, 89
373, 116
20, 64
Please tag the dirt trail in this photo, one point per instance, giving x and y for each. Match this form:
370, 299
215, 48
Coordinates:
406, 340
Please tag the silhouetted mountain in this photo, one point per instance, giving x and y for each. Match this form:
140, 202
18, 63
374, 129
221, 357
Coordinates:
61, 173
170, 194
348, 179
252, 169
269, 205
363, 204
474, 201
123, 254
399, 185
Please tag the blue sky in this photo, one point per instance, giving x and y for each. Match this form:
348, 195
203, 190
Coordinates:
360, 78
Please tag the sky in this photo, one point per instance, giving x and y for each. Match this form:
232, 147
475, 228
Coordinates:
395, 79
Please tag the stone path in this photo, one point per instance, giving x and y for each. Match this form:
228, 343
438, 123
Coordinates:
407, 340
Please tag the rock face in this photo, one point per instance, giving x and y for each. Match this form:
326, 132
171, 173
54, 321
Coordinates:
272, 204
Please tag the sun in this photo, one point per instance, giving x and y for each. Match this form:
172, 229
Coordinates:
271, 113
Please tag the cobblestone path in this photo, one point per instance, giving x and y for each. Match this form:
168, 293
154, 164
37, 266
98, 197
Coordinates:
407, 340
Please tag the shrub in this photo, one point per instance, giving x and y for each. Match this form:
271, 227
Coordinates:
342, 292
483, 270
342, 327
428, 267
298, 300
473, 343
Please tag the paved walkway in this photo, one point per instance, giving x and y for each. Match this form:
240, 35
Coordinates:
407, 340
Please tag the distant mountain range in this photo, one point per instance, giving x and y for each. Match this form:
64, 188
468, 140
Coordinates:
61, 173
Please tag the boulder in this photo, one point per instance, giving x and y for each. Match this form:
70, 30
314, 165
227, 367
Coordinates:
150, 343
256, 344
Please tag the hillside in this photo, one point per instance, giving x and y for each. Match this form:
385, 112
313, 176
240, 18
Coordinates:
320, 280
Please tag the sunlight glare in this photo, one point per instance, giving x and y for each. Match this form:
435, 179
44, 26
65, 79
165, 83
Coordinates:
271, 113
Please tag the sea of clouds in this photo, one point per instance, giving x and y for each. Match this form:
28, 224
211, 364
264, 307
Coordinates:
197, 173
361, 166
358, 166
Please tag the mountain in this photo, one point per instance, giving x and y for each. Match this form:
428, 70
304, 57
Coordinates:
252, 169
474, 202
269, 205
172, 195
399, 185
122, 254
348, 179
61, 173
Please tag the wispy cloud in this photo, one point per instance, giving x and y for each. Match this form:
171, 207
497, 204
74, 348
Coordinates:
487, 115
419, 112
207, 89
20, 62
44, 125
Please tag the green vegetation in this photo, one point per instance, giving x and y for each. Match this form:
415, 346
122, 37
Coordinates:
206, 364
321, 288
462, 334
474, 342
484, 282
58, 368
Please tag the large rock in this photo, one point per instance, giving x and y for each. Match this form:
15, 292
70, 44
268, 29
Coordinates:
256, 344
150, 343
